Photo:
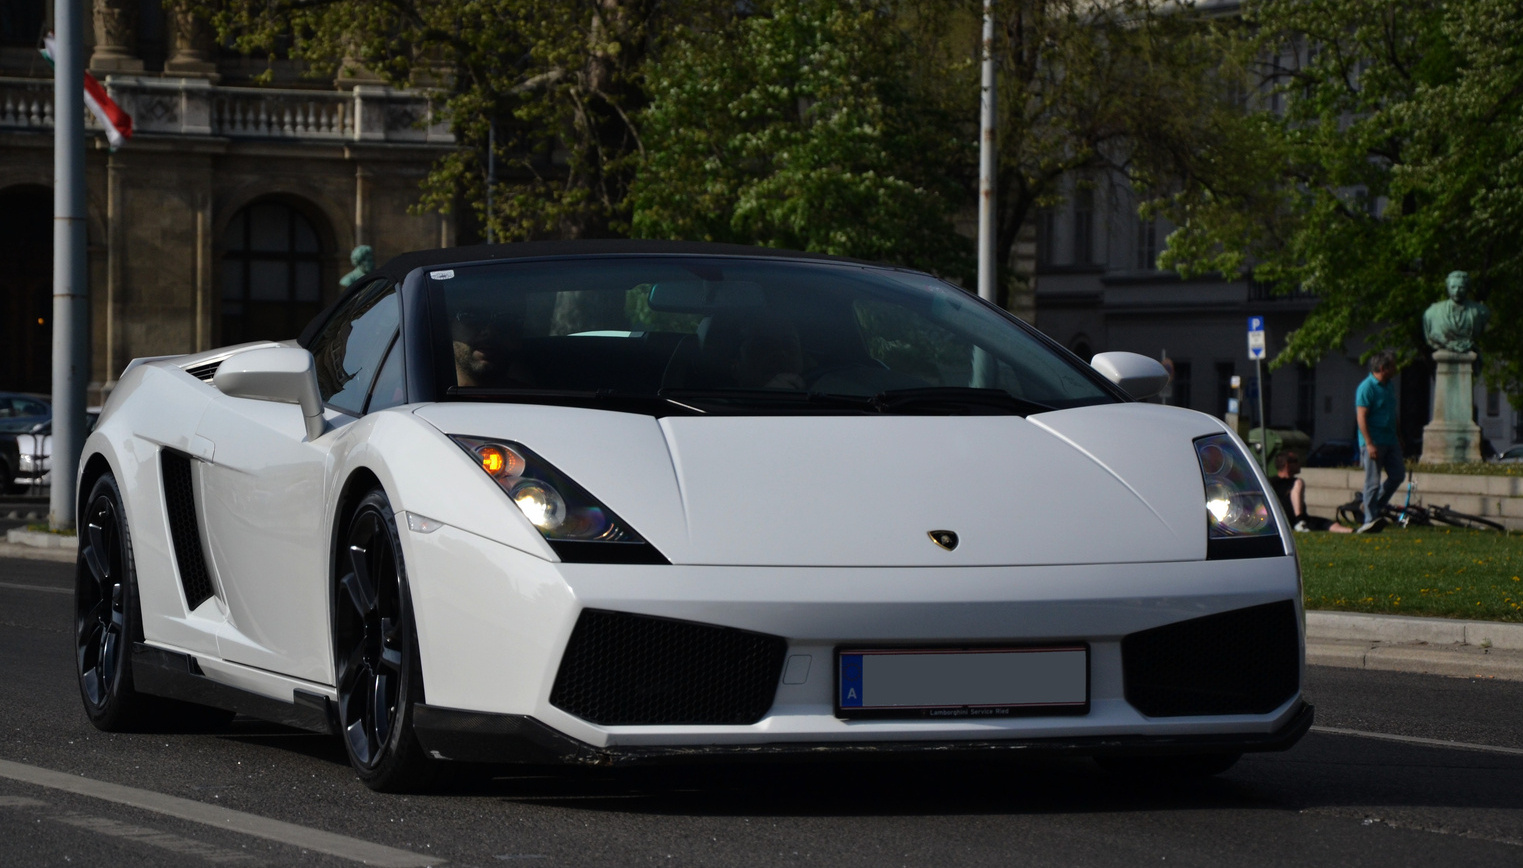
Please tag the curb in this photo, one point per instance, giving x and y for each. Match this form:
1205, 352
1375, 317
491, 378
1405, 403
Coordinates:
1398, 628
1422, 646
40, 540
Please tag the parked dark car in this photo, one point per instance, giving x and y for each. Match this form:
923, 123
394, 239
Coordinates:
1513, 455
31, 454
1333, 453
20, 411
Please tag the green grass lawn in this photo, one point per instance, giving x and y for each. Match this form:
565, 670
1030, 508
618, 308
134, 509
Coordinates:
1419, 571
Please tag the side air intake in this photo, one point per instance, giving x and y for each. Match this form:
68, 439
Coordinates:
1245, 661
184, 532
622, 670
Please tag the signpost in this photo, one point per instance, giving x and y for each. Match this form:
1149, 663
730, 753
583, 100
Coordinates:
1256, 352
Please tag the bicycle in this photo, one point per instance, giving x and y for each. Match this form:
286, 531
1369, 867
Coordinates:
1410, 514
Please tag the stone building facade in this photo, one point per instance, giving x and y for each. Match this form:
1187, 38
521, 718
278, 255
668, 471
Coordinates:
1098, 288
230, 214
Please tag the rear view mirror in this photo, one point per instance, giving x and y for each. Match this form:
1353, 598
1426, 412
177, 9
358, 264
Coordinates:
286, 375
1138, 376
704, 296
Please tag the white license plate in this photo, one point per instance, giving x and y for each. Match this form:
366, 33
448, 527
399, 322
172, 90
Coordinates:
964, 682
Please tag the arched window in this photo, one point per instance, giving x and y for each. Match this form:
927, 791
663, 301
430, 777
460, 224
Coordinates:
26, 292
272, 268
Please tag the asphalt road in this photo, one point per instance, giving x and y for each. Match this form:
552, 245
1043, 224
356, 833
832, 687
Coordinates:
259, 794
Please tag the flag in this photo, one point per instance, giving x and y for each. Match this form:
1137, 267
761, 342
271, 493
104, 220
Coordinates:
117, 123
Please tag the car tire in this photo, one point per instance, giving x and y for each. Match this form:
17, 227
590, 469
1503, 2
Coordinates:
375, 649
1180, 767
107, 617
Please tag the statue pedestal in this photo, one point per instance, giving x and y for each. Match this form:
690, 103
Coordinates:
1452, 436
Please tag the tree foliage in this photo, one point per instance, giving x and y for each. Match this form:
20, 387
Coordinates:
1385, 150
848, 126
562, 79
805, 126
1095, 87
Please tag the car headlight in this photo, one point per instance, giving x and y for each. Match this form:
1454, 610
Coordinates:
1239, 520
576, 525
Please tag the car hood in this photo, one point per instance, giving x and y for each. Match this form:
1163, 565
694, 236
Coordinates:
1109, 484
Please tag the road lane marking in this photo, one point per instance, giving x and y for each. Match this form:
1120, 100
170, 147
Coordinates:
1426, 742
163, 840
218, 817
15, 587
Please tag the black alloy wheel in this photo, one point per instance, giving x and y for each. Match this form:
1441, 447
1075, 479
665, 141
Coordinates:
375, 659
106, 617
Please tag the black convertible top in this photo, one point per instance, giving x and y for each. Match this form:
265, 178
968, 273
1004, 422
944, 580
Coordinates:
397, 268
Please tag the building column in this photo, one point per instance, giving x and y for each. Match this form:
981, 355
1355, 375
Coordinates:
192, 44
204, 281
116, 267
1021, 298
116, 37
362, 195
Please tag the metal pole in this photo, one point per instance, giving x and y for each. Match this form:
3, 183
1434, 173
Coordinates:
1258, 375
491, 172
70, 289
984, 372
987, 167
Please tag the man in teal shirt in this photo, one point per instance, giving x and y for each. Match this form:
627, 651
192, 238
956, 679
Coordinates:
1379, 446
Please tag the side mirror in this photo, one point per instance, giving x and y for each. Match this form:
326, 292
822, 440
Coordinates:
1138, 376
286, 375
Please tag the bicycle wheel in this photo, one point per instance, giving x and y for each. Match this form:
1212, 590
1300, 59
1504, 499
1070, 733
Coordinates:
1411, 516
1351, 513
1460, 519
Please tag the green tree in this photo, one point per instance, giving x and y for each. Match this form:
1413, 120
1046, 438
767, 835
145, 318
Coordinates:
561, 78
1090, 88
1386, 149
805, 125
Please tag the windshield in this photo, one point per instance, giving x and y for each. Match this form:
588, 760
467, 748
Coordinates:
739, 335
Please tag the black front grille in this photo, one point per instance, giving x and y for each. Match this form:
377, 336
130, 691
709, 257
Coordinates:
180, 504
1246, 661
622, 669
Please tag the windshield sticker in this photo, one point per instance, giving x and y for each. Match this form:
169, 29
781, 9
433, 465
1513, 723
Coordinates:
442, 275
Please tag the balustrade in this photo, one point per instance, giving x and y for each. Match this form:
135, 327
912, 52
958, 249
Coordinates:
195, 107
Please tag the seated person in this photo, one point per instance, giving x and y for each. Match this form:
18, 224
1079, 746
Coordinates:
1291, 490
769, 355
488, 350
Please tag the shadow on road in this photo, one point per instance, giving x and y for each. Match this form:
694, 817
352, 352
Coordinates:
1324, 771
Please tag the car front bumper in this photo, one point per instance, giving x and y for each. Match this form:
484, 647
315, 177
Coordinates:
494, 623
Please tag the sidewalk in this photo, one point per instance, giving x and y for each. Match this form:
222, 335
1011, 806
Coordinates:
1390, 643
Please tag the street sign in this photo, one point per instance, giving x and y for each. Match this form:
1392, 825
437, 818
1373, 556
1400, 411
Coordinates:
1255, 337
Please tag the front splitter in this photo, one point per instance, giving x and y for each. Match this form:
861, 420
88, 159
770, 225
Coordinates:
475, 737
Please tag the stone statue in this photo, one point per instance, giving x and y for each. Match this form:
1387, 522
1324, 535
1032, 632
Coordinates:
1452, 327
364, 263
1456, 323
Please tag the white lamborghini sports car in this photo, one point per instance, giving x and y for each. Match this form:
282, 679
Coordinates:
600, 502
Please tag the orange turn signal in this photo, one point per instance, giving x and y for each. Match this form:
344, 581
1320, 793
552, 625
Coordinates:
498, 461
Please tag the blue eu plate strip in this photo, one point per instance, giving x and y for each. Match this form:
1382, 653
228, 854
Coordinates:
851, 680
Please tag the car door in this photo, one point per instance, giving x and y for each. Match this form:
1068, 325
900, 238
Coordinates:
266, 493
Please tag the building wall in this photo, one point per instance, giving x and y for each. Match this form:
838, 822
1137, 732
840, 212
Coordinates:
349, 160
1119, 300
